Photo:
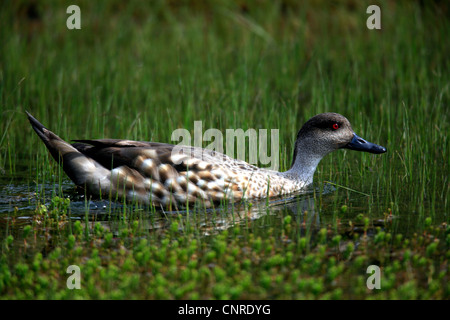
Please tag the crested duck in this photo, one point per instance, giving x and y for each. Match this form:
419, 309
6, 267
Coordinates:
164, 174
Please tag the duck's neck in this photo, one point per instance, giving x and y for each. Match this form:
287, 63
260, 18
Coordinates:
304, 163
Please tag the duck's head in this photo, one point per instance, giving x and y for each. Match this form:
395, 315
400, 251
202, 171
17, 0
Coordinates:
327, 132
322, 134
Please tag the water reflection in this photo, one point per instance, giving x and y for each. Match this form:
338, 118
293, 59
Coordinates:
205, 221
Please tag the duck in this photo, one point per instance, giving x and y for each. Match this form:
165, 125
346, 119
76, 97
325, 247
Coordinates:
162, 174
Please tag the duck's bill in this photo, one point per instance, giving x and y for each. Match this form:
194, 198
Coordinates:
359, 144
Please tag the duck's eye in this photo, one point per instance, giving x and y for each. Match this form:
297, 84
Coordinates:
335, 126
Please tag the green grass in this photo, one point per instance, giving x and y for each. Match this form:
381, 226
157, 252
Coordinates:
140, 71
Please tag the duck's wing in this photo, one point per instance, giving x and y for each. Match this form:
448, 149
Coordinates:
113, 153
140, 155
169, 172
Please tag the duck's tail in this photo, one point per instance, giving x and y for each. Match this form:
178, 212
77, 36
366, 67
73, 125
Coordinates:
75, 164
